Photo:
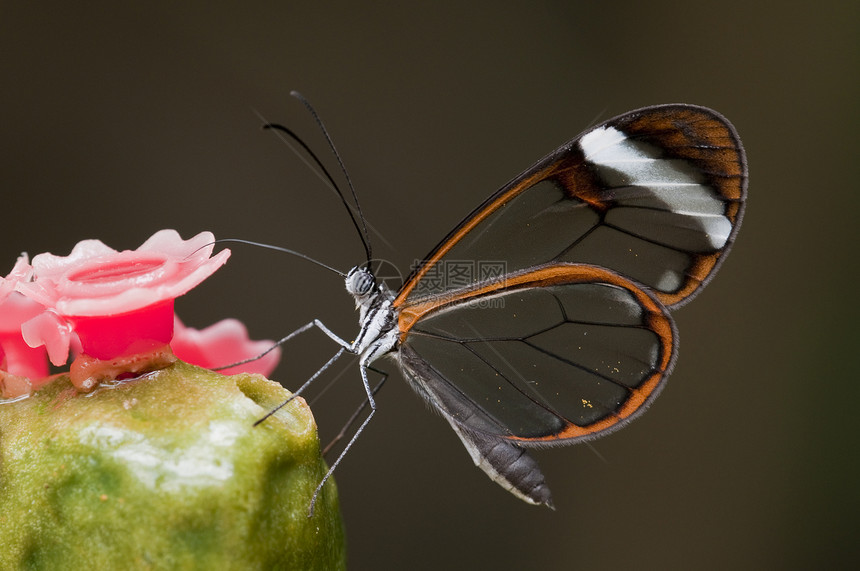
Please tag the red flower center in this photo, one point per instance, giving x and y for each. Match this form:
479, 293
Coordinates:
109, 336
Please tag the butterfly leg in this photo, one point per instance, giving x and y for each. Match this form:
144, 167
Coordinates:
304, 386
344, 346
357, 412
321, 326
315, 323
364, 365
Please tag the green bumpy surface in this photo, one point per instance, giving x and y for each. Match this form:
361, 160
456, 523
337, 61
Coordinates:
164, 472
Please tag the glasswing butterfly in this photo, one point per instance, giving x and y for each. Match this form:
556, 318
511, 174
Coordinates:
572, 339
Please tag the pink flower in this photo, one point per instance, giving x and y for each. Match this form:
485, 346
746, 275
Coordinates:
22, 272
221, 344
20, 358
20, 365
117, 303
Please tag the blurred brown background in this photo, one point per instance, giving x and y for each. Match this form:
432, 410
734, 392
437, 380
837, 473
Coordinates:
116, 122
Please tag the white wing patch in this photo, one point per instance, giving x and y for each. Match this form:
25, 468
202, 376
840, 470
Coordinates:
643, 180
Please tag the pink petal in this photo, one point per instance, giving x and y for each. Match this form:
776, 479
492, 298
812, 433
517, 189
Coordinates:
221, 344
21, 359
15, 309
21, 272
97, 280
49, 266
52, 331
170, 242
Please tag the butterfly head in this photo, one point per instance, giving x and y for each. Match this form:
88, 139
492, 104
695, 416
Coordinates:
360, 282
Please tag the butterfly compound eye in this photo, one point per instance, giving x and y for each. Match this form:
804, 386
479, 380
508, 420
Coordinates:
359, 281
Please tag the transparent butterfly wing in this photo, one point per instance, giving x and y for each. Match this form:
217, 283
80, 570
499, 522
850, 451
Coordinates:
556, 353
656, 195
542, 318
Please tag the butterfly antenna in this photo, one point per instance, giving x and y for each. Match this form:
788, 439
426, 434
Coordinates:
286, 131
271, 247
363, 233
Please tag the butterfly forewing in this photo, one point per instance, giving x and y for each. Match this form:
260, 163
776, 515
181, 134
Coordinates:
655, 195
555, 353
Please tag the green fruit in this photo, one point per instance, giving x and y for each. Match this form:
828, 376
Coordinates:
165, 471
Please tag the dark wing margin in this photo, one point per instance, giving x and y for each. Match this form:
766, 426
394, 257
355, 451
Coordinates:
656, 194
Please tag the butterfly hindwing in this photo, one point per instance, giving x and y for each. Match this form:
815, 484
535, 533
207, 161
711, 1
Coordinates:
557, 353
